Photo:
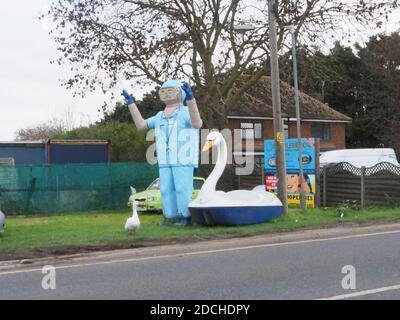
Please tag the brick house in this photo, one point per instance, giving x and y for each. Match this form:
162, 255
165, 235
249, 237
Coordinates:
254, 117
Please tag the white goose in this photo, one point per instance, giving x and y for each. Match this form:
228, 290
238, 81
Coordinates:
132, 223
235, 207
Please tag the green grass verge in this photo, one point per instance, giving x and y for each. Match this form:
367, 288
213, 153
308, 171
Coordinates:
107, 228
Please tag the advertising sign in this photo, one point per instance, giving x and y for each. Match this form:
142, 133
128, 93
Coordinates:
293, 178
291, 155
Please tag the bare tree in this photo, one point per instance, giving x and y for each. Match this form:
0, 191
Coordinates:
46, 130
149, 41
41, 131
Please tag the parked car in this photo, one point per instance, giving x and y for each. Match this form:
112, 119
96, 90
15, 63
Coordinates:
359, 157
150, 199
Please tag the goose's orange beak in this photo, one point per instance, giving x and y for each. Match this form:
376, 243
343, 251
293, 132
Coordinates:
208, 145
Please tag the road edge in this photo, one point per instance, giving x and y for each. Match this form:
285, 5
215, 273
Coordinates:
199, 247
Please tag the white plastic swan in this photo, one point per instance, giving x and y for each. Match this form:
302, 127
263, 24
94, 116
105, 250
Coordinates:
209, 197
133, 223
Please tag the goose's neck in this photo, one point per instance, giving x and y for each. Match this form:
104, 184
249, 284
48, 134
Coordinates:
134, 212
210, 184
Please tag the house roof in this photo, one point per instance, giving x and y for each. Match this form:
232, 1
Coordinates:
257, 102
37, 143
42, 143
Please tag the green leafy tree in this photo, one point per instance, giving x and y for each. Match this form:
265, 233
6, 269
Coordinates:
120, 113
380, 84
127, 144
363, 83
333, 78
148, 106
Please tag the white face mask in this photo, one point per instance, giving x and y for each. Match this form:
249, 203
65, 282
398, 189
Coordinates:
170, 95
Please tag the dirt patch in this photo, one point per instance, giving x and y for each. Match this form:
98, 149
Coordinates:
56, 251
68, 250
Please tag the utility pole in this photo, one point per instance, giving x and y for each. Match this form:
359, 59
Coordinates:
303, 202
276, 105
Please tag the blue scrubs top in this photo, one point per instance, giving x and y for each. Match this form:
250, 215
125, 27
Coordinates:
177, 142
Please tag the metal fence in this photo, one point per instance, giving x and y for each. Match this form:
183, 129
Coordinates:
86, 187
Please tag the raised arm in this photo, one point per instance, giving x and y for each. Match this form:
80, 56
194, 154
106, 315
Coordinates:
140, 123
194, 113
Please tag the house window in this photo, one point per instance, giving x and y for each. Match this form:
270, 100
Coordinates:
249, 130
321, 130
259, 161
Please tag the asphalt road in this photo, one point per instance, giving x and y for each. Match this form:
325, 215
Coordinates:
300, 270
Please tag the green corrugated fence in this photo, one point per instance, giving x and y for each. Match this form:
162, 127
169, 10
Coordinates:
72, 187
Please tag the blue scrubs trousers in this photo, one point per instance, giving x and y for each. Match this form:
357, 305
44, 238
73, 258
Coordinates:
176, 186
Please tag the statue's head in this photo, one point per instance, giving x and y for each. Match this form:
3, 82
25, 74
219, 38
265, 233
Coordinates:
171, 92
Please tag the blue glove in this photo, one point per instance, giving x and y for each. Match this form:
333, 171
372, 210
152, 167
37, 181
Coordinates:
188, 90
128, 98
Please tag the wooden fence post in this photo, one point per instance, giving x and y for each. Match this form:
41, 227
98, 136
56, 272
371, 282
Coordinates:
262, 174
324, 187
362, 187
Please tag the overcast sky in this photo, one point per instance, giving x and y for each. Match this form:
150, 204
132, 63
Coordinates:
30, 90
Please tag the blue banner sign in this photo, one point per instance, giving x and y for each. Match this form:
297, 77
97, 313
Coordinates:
291, 155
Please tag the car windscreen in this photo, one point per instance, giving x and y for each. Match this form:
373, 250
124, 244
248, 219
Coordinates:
155, 185
197, 184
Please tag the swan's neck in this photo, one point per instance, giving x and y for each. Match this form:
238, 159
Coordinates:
208, 189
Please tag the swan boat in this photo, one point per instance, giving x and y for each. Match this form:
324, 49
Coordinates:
238, 207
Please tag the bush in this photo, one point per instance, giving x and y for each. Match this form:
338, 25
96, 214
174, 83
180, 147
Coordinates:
127, 144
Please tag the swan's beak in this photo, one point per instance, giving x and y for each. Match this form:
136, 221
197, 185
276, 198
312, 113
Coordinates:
208, 145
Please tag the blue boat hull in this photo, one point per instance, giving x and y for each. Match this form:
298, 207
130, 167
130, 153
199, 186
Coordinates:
234, 215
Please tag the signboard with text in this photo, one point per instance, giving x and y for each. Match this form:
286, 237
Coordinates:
293, 178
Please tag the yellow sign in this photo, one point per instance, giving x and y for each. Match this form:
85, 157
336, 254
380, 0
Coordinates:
295, 199
280, 137
293, 188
